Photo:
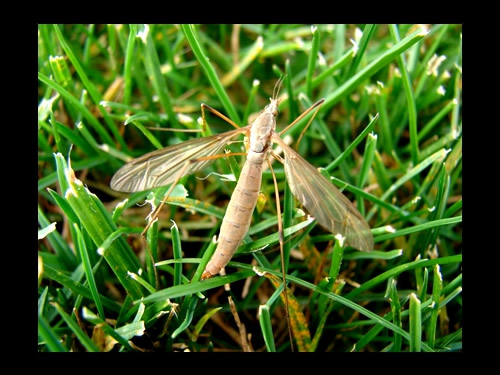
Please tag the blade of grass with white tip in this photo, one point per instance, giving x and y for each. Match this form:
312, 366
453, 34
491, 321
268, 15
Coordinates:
412, 172
42, 233
152, 64
96, 320
420, 227
368, 155
57, 242
177, 251
396, 315
191, 306
252, 53
415, 324
372, 68
410, 99
251, 100
96, 220
95, 95
360, 49
76, 103
313, 56
190, 33
437, 287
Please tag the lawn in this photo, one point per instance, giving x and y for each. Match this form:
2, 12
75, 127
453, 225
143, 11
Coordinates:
388, 136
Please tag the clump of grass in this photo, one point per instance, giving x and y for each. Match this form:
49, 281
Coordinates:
388, 134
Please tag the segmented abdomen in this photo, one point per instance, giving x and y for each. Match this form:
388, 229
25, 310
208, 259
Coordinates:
237, 218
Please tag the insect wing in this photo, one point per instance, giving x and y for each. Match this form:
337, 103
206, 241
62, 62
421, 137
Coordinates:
161, 167
324, 201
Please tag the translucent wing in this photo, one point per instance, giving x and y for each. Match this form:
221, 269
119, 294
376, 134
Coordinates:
324, 201
159, 168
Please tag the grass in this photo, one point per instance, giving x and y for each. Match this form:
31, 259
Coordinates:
389, 135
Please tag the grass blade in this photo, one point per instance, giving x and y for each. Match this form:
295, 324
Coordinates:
415, 324
99, 225
94, 94
190, 33
412, 108
371, 69
80, 335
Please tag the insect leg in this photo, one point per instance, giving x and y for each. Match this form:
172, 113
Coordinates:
309, 123
318, 103
217, 113
157, 210
179, 175
277, 157
280, 230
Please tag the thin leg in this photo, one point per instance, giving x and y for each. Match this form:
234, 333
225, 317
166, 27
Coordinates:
174, 130
280, 230
319, 102
309, 123
277, 157
217, 113
156, 212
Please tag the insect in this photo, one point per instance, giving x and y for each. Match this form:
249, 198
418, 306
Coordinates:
317, 194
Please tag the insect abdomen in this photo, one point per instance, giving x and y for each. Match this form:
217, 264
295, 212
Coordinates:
237, 218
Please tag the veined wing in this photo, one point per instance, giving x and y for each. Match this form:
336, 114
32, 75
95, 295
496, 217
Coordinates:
324, 201
159, 168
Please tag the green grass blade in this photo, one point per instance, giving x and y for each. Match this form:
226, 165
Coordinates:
363, 43
266, 328
420, 227
61, 248
49, 335
396, 315
251, 100
127, 69
437, 287
200, 324
191, 306
177, 251
412, 108
346, 58
99, 225
195, 287
152, 65
313, 56
82, 248
80, 335
76, 287
371, 69
81, 109
249, 57
96, 320
190, 33
353, 145
96, 97
415, 324
337, 255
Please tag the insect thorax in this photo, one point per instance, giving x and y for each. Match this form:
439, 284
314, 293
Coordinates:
261, 131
